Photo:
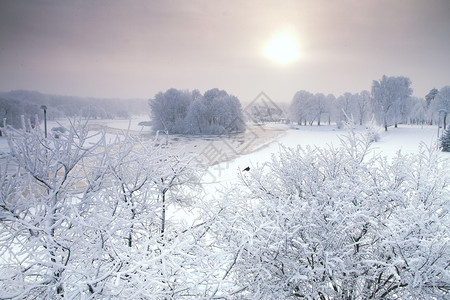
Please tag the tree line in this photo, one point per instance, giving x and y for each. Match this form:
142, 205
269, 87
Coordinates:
15, 104
389, 102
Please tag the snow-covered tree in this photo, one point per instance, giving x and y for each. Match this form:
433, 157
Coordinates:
363, 106
12, 110
430, 96
442, 105
92, 112
431, 114
321, 105
345, 107
402, 110
146, 253
168, 110
339, 223
306, 107
28, 102
418, 113
216, 112
389, 94
85, 218
331, 100
298, 109
39, 208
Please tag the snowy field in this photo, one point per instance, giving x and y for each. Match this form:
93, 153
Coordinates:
405, 138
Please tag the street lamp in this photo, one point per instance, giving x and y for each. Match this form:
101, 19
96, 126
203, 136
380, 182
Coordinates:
43, 107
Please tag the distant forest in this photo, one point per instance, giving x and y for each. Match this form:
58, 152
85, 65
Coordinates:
16, 103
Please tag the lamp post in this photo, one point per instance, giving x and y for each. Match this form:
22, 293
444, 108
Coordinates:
43, 107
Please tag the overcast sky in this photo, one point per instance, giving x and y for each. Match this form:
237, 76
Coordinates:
136, 48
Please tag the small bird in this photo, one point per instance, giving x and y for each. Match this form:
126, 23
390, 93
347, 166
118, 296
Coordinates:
246, 169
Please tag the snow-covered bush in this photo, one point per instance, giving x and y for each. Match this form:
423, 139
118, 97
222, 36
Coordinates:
81, 218
339, 223
373, 131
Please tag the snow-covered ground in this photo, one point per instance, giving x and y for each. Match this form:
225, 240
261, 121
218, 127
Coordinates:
405, 138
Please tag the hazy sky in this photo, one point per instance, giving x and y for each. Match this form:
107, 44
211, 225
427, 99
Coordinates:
136, 48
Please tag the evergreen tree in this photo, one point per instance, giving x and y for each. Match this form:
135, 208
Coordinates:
445, 141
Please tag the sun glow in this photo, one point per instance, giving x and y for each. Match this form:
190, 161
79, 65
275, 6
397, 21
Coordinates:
283, 49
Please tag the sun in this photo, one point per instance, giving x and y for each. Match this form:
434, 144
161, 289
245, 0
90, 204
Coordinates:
283, 49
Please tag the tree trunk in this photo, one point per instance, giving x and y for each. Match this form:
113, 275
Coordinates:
445, 121
130, 234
